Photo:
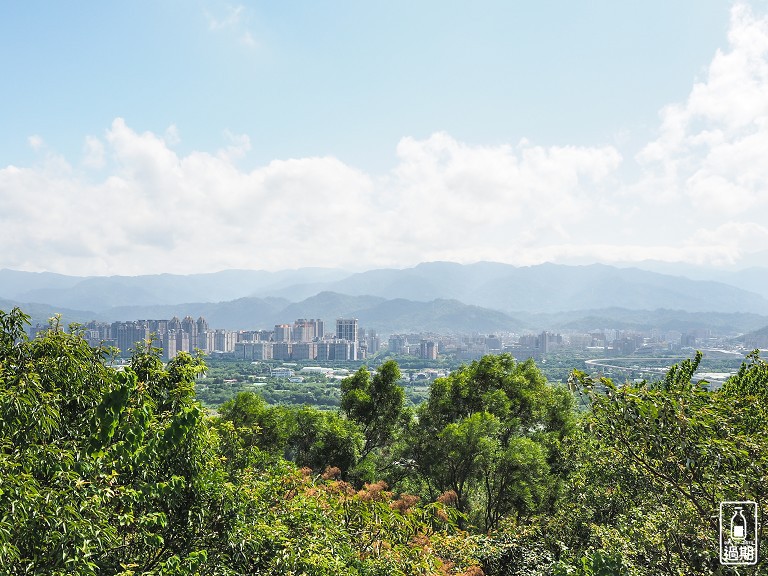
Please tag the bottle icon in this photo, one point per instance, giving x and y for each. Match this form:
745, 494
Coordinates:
739, 539
738, 525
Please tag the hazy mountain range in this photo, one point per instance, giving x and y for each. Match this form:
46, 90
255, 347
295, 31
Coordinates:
435, 296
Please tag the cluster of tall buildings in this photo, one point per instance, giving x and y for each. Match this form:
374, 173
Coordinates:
400, 345
305, 339
308, 339
173, 335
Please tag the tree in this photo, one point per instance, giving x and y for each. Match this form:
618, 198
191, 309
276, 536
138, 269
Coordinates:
102, 470
376, 404
656, 461
305, 436
50, 491
324, 439
106, 471
492, 433
459, 451
514, 480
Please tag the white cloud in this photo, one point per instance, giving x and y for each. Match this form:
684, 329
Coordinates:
488, 201
159, 211
247, 39
731, 240
35, 142
239, 146
172, 136
720, 134
709, 164
701, 195
93, 152
231, 17
231, 20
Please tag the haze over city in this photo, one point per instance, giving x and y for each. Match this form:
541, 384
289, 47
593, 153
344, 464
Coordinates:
195, 137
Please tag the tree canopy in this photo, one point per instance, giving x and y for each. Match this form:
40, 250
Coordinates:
107, 471
490, 433
119, 470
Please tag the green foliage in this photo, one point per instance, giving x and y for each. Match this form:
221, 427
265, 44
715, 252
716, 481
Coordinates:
322, 439
597, 563
376, 404
657, 460
296, 523
100, 469
48, 494
106, 471
491, 433
306, 436
121, 472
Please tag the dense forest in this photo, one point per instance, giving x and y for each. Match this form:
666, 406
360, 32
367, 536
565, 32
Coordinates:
122, 471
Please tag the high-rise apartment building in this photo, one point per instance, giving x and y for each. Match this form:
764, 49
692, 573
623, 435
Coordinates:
169, 345
319, 327
428, 349
373, 341
343, 350
346, 329
224, 340
323, 352
127, 334
283, 332
282, 350
206, 340
304, 330
398, 344
254, 350
189, 326
159, 327
183, 342
304, 351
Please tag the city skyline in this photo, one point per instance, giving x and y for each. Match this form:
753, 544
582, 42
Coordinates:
174, 336
305, 339
255, 136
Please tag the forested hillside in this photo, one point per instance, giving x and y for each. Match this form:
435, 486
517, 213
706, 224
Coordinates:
123, 472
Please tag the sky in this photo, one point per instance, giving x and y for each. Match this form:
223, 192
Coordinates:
194, 136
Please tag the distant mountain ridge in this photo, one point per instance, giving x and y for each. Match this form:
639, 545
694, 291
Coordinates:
400, 315
662, 319
99, 293
438, 296
753, 278
543, 288
387, 316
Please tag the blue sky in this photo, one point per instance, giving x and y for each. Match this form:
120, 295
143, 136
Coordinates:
175, 136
